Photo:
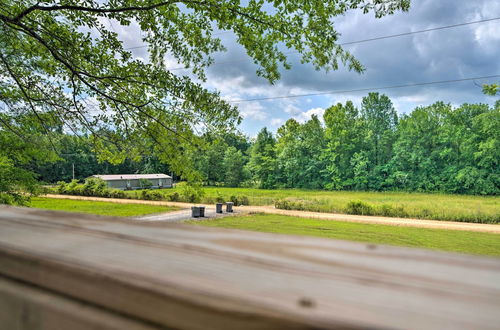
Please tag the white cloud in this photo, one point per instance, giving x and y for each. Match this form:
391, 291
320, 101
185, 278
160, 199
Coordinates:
292, 109
253, 110
488, 36
275, 122
305, 116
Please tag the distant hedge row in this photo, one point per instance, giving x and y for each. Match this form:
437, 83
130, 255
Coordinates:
91, 187
183, 193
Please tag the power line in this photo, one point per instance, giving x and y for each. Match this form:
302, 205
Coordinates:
422, 31
363, 40
365, 89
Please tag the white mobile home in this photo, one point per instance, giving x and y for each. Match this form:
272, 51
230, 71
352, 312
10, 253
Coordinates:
136, 181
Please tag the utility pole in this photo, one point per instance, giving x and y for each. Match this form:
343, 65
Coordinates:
73, 171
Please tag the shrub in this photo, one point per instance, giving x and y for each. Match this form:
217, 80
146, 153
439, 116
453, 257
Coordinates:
116, 193
174, 197
391, 211
92, 187
219, 198
190, 193
95, 187
296, 204
359, 207
61, 187
281, 204
145, 195
239, 200
73, 188
156, 196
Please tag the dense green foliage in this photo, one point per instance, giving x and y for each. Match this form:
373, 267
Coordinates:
60, 63
436, 239
91, 187
436, 148
76, 153
24, 143
189, 193
491, 89
70, 93
99, 208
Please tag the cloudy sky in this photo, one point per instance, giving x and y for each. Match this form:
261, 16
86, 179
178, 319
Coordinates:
461, 52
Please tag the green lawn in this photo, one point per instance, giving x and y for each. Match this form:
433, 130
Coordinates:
482, 209
437, 239
99, 208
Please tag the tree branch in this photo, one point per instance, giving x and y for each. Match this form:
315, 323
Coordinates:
92, 10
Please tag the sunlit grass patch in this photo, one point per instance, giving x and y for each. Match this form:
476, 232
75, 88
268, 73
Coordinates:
99, 208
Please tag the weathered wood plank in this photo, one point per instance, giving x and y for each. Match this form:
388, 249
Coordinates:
25, 307
205, 278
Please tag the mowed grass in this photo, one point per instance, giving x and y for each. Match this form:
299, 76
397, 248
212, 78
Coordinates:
99, 208
436, 239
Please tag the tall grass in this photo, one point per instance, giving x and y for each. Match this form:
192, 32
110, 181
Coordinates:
479, 209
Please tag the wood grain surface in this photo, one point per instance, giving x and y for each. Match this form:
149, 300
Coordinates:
186, 277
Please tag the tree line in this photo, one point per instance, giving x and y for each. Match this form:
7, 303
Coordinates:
436, 148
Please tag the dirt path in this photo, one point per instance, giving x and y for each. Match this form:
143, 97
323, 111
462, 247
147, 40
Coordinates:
405, 222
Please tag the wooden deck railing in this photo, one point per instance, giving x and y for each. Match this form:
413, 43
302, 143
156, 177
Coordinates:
67, 271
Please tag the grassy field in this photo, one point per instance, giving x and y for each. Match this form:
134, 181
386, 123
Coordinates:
436, 239
481, 209
99, 208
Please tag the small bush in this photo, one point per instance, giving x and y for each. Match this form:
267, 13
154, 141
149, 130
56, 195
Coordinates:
94, 187
73, 188
243, 200
359, 207
61, 187
145, 195
219, 198
116, 193
239, 200
391, 211
282, 204
190, 193
296, 204
156, 196
174, 197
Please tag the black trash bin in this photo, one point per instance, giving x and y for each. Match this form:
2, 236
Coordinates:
202, 211
195, 211
229, 207
218, 208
